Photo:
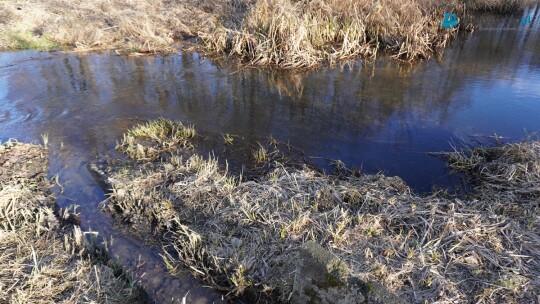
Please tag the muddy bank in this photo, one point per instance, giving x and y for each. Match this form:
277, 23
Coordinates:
43, 256
283, 33
244, 237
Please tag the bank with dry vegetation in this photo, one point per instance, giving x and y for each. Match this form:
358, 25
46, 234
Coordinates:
283, 33
243, 236
44, 258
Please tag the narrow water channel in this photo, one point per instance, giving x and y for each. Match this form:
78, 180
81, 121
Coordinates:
383, 117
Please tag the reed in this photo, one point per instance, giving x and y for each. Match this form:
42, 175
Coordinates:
295, 34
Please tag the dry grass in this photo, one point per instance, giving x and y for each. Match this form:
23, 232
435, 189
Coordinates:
508, 175
132, 26
43, 260
260, 155
243, 236
292, 34
284, 33
289, 33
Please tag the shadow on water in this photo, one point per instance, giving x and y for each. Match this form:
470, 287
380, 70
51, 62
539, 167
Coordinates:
383, 117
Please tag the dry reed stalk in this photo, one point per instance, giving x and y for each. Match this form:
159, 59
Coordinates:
243, 236
293, 34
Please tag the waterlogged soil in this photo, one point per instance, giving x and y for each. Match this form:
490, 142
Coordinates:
378, 117
40, 245
22, 161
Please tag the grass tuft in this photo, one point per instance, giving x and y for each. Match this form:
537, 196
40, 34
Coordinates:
260, 155
151, 139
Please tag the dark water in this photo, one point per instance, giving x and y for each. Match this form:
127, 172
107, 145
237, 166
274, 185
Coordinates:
383, 117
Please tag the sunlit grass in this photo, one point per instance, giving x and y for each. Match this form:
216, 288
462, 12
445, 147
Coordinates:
260, 155
163, 134
28, 41
227, 139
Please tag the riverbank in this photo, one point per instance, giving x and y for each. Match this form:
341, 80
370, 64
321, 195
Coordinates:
283, 33
243, 236
44, 256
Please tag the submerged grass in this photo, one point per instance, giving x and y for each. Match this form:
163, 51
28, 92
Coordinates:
243, 236
43, 259
260, 155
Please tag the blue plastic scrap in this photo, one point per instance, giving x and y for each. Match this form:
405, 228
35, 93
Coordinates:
450, 21
525, 20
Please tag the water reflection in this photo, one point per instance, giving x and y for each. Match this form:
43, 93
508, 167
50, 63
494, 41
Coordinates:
383, 117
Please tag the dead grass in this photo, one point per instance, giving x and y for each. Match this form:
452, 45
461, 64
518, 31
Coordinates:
42, 259
283, 33
293, 34
243, 236
131, 26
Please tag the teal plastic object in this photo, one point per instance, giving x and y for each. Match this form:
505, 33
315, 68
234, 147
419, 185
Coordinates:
450, 21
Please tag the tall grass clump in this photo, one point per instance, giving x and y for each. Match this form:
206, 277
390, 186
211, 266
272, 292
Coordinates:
163, 134
43, 258
507, 175
243, 236
305, 33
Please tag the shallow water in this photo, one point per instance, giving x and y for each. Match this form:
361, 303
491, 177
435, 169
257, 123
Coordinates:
384, 117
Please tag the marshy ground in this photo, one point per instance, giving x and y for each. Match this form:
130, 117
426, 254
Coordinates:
283, 33
44, 257
242, 236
